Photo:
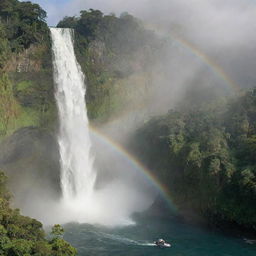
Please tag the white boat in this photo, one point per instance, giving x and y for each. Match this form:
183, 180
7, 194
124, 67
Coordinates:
162, 244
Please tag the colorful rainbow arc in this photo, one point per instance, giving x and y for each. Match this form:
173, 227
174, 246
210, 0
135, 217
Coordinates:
211, 64
127, 156
134, 163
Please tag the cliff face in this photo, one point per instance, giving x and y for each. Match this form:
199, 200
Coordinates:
28, 151
30, 159
28, 147
27, 87
27, 61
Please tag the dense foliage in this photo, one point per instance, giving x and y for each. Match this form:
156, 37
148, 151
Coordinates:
20, 236
25, 99
23, 23
26, 86
204, 153
114, 52
206, 157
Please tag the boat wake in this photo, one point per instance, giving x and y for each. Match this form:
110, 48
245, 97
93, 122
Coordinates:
126, 240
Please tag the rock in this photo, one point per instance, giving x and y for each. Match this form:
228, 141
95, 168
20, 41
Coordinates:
29, 157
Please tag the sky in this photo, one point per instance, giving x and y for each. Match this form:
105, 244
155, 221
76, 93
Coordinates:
223, 29
53, 8
57, 9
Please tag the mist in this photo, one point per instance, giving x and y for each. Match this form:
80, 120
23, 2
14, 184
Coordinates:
121, 190
108, 202
222, 31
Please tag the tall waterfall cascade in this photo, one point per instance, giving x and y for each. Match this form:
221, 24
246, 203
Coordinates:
115, 200
77, 172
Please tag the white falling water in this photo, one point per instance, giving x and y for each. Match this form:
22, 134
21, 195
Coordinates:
114, 203
77, 173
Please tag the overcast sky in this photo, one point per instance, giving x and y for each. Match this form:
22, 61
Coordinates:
223, 29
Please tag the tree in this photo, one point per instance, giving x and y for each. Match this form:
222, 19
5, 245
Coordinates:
4, 48
8, 106
57, 231
30, 13
210, 163
60, 246
68, 22
88, 24
23, 236
24, 23
6, 9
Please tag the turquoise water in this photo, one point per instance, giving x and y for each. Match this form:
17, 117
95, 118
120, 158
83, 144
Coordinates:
138, 240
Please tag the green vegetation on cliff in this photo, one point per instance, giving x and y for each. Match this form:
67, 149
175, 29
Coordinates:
23, 236
26, 86
26, 99
115, 54
205, 155
22, 24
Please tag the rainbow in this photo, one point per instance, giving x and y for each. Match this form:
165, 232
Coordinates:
134, 163
132, 160
215, 68
210, 63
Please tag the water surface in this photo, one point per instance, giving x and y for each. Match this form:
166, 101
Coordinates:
138, 240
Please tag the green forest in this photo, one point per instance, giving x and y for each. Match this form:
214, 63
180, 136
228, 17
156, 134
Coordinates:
203, 153
23, 102
20, 235
116, 55
25, 66
202, 150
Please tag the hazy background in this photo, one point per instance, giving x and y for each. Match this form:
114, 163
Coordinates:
207, 43
210, 44
223, 30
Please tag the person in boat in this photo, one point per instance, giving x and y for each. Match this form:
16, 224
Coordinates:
160, 242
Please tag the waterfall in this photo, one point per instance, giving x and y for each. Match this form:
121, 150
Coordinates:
114, 202
77, 173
